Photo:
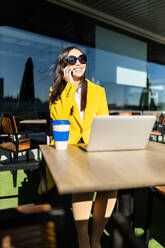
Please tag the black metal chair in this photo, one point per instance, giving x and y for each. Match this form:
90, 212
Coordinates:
122, 235
158, 191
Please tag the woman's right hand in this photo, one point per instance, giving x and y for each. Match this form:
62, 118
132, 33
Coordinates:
68, 75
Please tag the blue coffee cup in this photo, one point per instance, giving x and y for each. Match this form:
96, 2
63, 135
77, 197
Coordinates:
60, 130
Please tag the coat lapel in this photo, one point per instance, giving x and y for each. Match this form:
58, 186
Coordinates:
90, 103
76, 113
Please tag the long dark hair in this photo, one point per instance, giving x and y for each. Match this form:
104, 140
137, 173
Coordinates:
59, 83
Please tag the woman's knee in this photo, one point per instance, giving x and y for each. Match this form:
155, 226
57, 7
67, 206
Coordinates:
81, 206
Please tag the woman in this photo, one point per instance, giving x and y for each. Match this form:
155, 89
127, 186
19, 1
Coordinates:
75, 98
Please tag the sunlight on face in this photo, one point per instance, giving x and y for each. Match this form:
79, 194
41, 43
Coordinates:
78, 68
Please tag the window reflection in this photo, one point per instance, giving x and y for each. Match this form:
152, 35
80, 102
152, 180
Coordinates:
156, 75
24, 90
130, 81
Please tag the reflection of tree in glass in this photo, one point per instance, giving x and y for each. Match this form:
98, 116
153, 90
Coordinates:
27, 85
146, 99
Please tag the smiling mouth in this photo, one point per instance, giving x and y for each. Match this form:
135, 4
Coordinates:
77, 69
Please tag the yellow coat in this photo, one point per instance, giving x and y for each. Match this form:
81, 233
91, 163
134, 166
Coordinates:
96, 105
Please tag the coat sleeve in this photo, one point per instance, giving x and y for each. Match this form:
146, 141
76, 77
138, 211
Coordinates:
103, 106
62, 107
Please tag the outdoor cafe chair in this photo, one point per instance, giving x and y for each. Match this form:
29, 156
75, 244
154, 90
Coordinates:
14, 144
122, 235
159, 128
31, 226
158, 191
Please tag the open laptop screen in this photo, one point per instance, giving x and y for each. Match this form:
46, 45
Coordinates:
120, 132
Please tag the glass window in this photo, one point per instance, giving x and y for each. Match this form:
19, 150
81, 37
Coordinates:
156, 77
118, 62
121, 67
26, 70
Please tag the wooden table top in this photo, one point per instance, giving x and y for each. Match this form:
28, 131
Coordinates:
75, 170
34, 121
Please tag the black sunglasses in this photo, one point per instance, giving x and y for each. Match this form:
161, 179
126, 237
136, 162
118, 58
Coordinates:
71, 60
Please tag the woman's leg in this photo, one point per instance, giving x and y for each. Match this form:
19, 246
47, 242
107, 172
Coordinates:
81, 206
103, 208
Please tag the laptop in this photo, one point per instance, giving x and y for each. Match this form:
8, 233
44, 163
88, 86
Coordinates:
119, 133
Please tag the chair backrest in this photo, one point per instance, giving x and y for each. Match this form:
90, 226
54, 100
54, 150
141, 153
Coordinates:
8, 123
0, 119
125, 113
49, 131
161, 119
121, 113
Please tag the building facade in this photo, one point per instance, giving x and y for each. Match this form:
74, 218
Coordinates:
127, 62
